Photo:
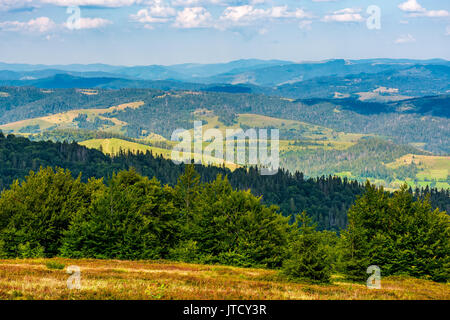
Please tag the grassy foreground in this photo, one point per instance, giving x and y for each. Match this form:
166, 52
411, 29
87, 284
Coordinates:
114, 279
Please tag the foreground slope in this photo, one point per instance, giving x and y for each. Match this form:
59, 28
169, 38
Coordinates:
114, 279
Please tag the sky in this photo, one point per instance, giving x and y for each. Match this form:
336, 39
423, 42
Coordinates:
145, 32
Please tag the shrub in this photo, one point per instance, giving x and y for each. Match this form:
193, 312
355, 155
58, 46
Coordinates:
186, 251
55, 265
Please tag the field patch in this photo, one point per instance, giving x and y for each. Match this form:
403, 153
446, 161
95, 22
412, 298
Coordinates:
430, 167
113, 146
67, 120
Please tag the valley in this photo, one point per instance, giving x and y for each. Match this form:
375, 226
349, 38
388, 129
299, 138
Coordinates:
315, 147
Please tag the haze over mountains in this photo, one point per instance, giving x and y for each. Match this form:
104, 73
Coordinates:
325, 79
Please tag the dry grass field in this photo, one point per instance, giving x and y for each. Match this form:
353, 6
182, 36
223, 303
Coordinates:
163, 280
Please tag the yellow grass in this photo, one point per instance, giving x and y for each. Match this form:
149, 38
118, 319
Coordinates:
431, 167
88, 92
311, 131
114, 145
64, 120
150, 280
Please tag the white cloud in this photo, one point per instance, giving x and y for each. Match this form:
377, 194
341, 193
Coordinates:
14, 4
41, 25
195, 17
190, 3
348, 11
405, 39
242, 15
416, 10
431, 14
411, 6
144, 16
282, 12
159, 9
100, 3
344, 15
91, 23
158, 12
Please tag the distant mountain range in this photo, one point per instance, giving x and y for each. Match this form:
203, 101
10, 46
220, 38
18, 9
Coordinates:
370, 79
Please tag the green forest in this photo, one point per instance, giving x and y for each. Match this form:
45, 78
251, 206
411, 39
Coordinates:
133, 217
326, 198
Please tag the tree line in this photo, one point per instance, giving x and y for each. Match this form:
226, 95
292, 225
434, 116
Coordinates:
326, 198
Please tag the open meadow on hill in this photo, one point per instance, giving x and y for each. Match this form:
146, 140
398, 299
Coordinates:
164, 280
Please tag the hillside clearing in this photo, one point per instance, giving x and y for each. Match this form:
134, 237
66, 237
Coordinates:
113, 146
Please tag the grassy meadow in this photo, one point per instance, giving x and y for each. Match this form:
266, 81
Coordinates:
163, 280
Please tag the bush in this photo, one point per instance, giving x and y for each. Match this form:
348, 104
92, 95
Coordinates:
35, 213
55, 265
186, 251
26, 250
133, 219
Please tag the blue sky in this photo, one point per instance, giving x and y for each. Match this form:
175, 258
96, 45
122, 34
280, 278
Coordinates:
143, 32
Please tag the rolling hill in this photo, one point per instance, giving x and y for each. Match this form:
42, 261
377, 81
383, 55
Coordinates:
353, 118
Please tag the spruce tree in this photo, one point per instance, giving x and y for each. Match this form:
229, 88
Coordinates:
308, 258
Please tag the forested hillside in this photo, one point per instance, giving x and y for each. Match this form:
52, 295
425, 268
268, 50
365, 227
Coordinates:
326, 199
422, 120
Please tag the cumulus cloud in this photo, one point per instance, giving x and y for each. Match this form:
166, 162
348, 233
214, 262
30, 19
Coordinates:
190, 3
411, 6
40, 25
242, 13
144, 16
246, 13
160, 9
344, 15
158, 12
405, 39
100, 3
195, 17
416, 10
283, 12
